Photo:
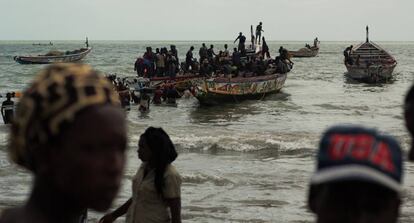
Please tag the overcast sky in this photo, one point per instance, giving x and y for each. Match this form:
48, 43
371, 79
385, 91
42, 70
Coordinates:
389, 20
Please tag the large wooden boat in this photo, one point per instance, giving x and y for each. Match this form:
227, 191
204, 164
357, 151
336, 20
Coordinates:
54, 57
215, 91
369, 62
305, 52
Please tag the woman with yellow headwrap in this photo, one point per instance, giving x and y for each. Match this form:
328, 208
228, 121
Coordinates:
70, 132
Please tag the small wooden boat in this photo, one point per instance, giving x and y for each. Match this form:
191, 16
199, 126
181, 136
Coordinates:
369, 62
222, 90
305, 52
54, 57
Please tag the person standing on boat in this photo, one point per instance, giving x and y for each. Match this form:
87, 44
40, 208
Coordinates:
236, 58
226, 52
202, 53
7, 109
316, 42
241, 47
174, 52
160, 62
259, 31
150, 56
210, 53
189, 59
265, 49
347, 54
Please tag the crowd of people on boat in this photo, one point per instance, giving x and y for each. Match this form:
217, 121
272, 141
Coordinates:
76, 150
239, 62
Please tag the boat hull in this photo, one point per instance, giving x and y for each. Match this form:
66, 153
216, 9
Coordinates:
52, 59
370, 74
305, 52
215, 92
181, 82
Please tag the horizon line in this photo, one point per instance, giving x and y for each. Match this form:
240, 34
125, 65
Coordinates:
218, 40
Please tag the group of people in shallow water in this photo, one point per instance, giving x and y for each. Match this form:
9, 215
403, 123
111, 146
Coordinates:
166, 92
71, 134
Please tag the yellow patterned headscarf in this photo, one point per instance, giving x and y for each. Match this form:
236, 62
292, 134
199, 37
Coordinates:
51, 102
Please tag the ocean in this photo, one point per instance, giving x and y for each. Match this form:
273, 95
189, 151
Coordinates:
246, 162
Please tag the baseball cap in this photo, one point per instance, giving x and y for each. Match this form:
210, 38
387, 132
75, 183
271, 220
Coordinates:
356, 153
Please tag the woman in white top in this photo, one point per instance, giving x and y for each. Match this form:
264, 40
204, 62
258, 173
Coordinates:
156, 187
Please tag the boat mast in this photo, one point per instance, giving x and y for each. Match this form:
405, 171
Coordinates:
252, 37
367, 34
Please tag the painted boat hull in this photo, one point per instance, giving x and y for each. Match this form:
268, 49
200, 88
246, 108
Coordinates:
218, 91
52, 59
181, 82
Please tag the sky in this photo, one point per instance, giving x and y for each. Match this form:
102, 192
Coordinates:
295, 20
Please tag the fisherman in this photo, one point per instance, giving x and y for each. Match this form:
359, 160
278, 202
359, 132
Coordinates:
160, 62
7, 109
202, 52
226, 52
144, 104
265, 49
210, 53
347, 54
205, 68
172, 95
259, 31
241, 47
358, 177
172, 65
174, 52
280, 50
157, 96
316, 42
150, 56
189, 59
86, 42
236, 60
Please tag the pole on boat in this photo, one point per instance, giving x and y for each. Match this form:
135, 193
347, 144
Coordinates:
367, 34
252, 37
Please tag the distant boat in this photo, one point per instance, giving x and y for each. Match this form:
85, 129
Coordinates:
54, 57
305, 52
369, 62
43, 44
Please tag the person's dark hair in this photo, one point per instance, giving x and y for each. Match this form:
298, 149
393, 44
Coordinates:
351, 198
163, 153
409, 120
